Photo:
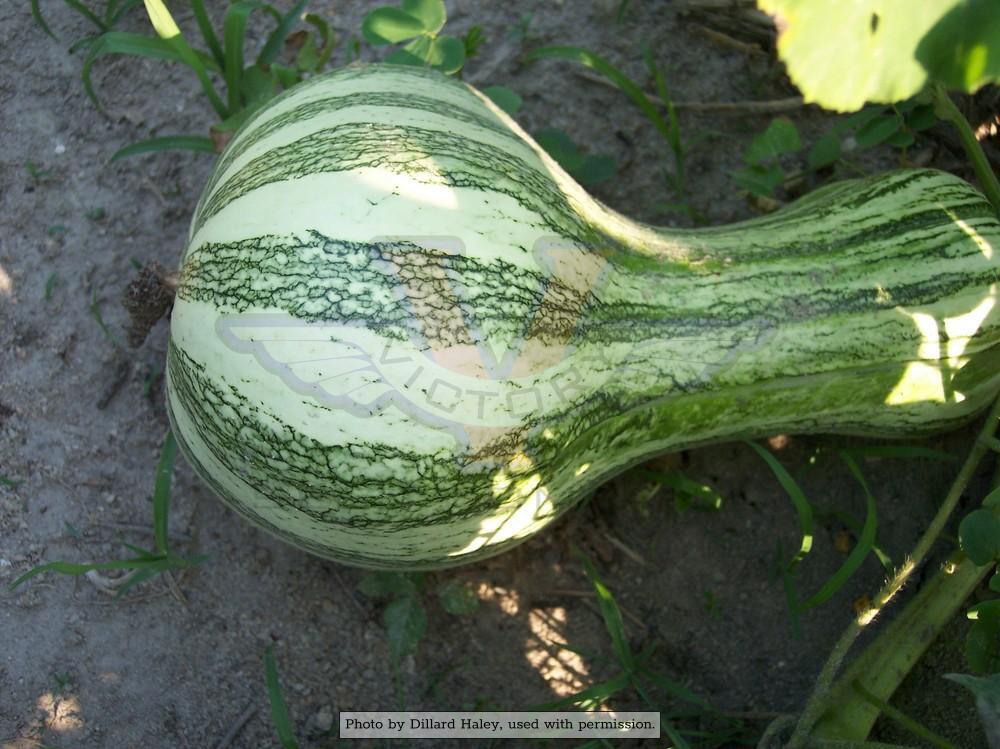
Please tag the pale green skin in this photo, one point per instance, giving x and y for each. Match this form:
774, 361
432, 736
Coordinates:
431, 401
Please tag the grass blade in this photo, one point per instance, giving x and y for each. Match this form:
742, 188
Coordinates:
115, 12
701, 496
328, 39
123, 43
208, 33
161, 492
676, 690
864, 545
791, 595
611, 613
166, 28
142, 553
73, 568
95, 311
674, 138
898, 716
126, 43
87, 13
233, 35
272, 47
884, 559
36, 13
197, 143
613, 74
279, 712
802, 506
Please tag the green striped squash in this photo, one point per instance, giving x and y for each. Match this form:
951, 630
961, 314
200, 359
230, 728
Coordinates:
404, 338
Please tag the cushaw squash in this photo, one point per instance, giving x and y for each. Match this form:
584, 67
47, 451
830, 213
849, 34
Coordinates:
405, 338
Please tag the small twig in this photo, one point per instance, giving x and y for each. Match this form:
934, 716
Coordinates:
747, 21
175, 589
723, 39
151, 186
626, 550
236, 727
771, 106
586, 594
122, 369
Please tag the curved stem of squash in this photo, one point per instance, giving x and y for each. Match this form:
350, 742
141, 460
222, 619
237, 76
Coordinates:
939, 605
947, 110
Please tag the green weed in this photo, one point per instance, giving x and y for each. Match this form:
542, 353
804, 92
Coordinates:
418, 23
148, 562
279, 711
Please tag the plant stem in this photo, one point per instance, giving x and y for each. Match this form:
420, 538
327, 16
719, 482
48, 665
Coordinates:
819, 700
948, 111
903, 719
887, 660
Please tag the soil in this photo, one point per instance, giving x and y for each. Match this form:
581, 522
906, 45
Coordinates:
82, 421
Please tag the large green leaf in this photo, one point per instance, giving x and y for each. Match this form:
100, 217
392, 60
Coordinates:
842, 54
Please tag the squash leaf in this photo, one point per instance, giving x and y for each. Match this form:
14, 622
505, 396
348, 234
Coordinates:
979, 536
405, 622
457, 598
387, 584
508, 100
587, 169
886, 50
982, 643
781, 137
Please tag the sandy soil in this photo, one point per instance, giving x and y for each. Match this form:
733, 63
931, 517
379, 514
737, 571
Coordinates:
82, 420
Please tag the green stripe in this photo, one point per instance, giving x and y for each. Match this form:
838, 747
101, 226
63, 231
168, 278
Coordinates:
425, 155
312, 109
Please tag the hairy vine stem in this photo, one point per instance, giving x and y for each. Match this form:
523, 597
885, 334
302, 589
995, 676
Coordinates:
947, 110
819, 699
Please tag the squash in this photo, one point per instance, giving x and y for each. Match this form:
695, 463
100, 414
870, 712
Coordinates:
404, 338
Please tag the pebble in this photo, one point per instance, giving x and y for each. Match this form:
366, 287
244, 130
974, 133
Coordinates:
324, 718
